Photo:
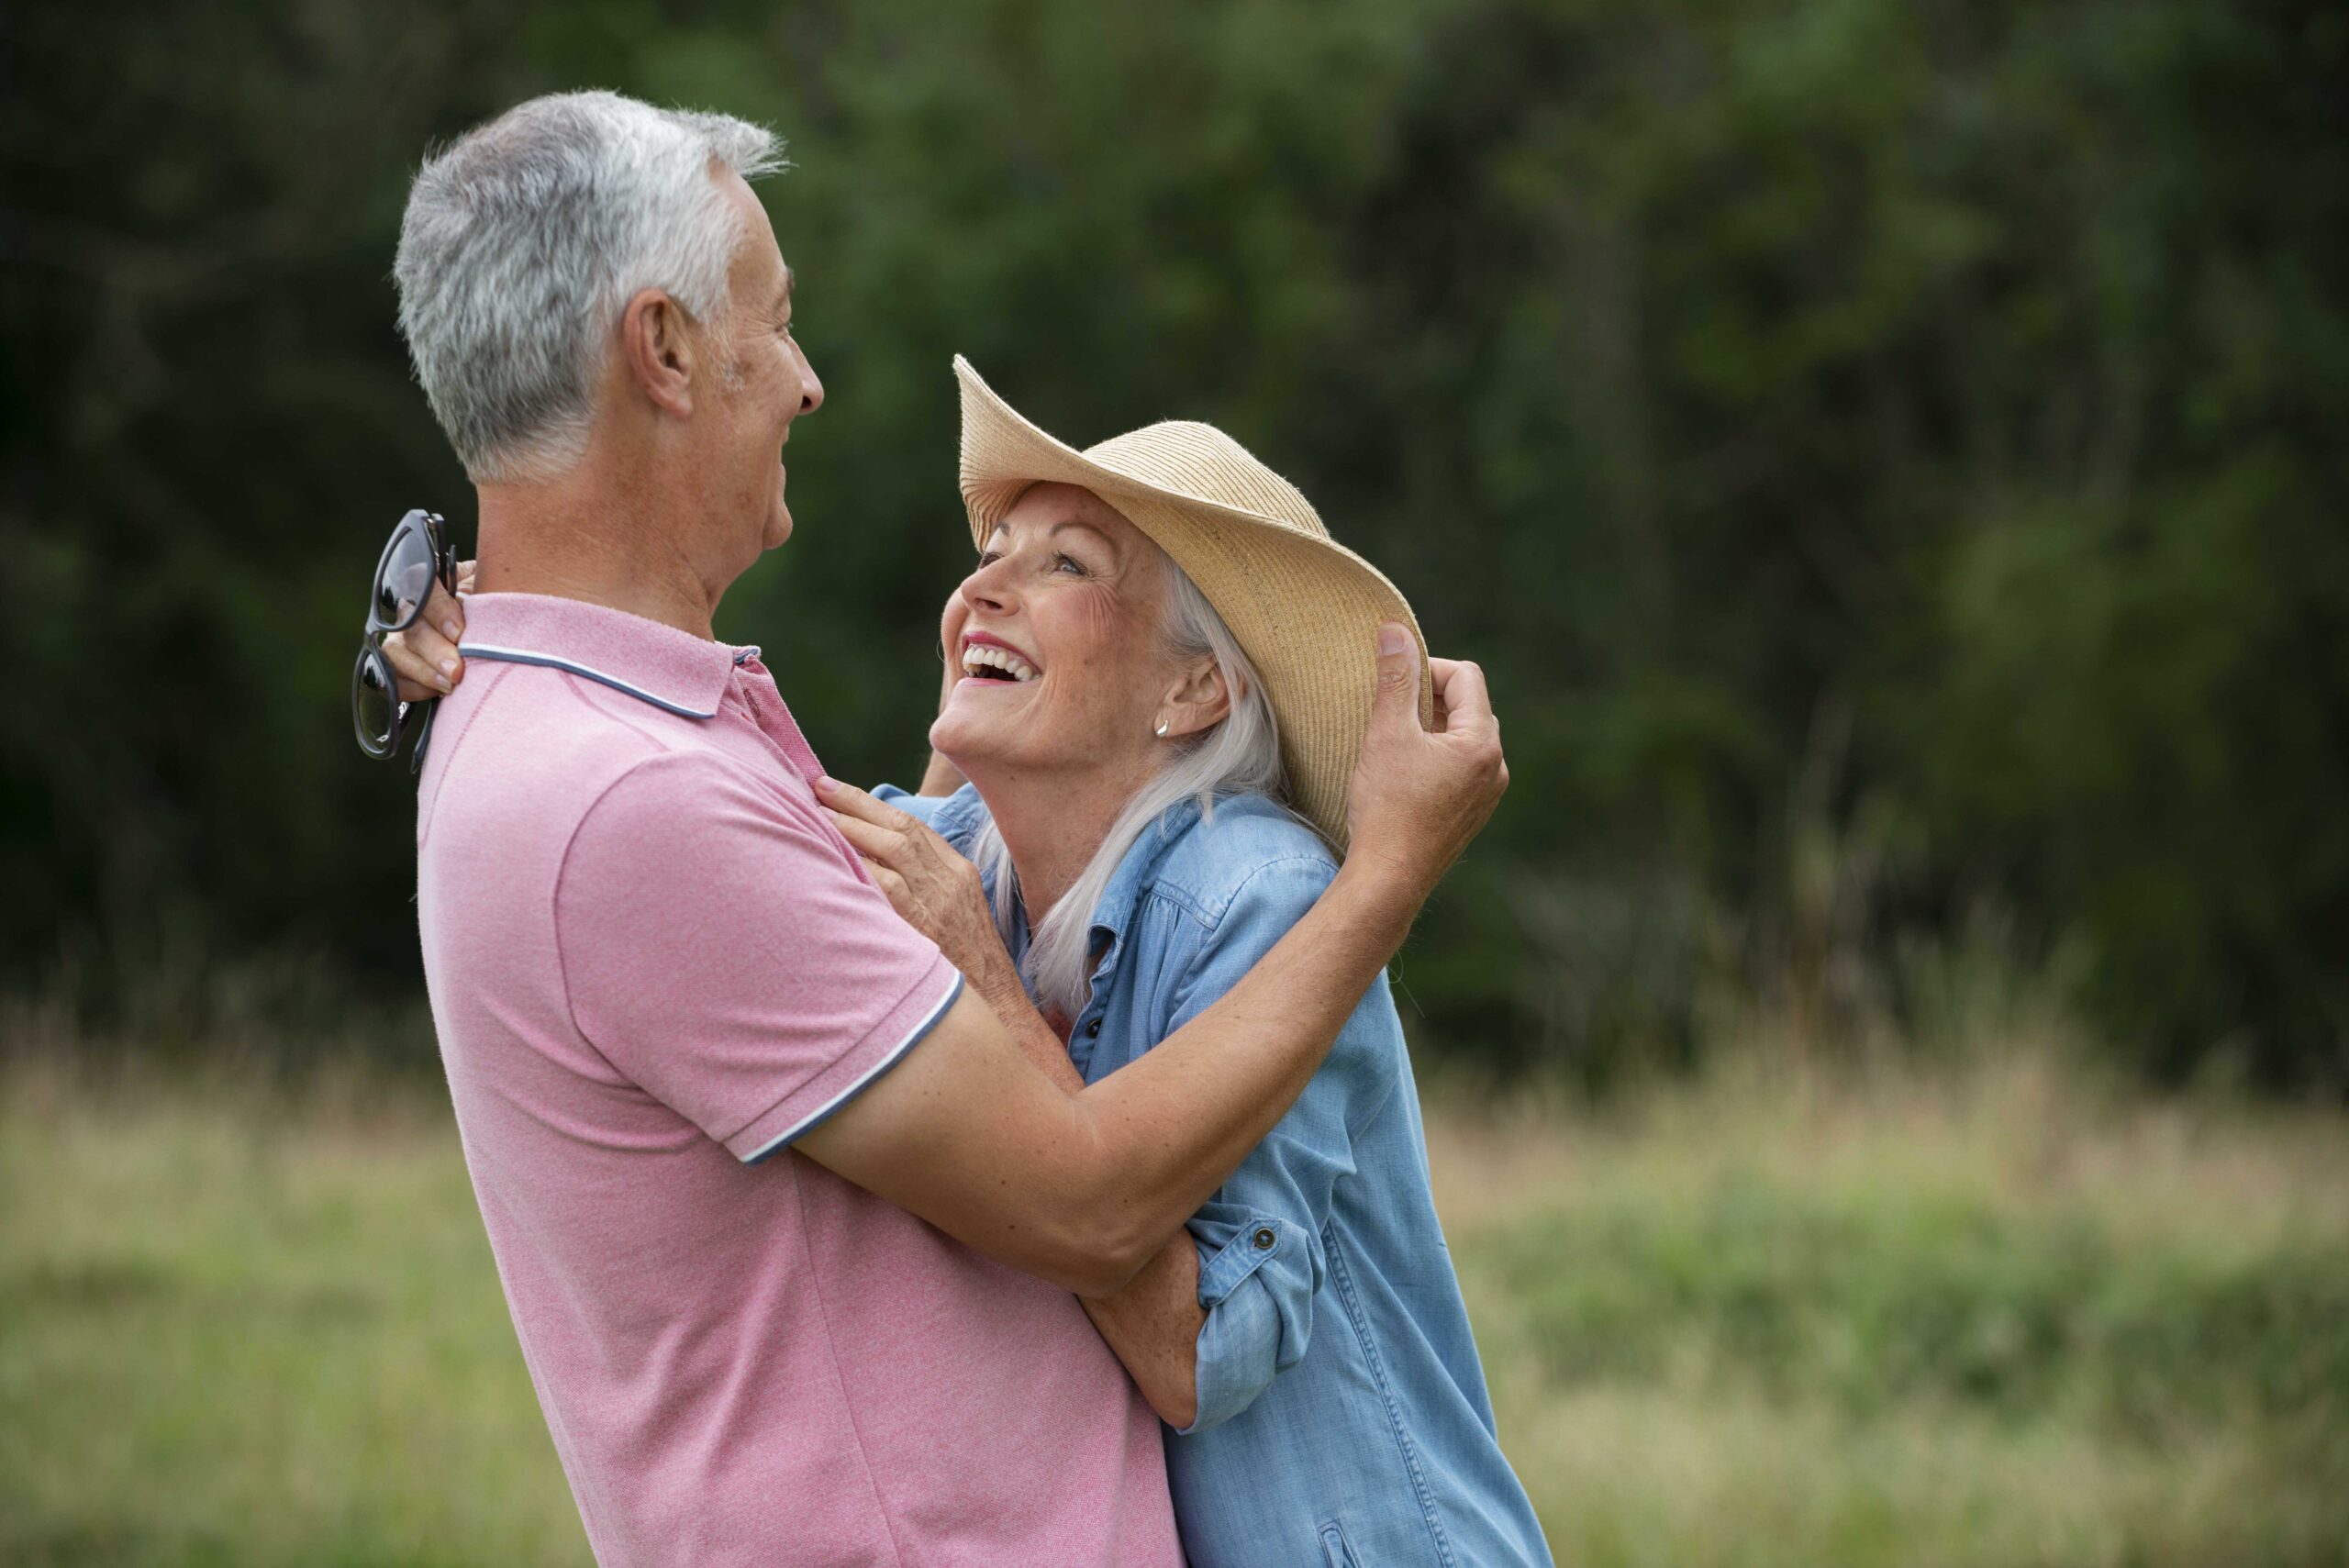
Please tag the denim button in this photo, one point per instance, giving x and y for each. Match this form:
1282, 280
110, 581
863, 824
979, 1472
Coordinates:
1264, 1237
1093, 1029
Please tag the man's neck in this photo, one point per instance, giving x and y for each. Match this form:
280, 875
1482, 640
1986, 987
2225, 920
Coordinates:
594, 535
1052, 822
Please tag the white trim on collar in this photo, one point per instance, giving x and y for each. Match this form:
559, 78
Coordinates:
496, 655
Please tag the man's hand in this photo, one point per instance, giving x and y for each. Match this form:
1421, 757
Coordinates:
1420, 795
424, 658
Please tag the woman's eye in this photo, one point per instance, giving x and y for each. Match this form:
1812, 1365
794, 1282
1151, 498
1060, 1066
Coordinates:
989, 558
1068, 563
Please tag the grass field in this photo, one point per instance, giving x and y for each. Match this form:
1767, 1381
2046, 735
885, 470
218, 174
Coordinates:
1995, 1318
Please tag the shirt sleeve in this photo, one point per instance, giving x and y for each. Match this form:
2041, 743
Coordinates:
721, 947
1259, 1239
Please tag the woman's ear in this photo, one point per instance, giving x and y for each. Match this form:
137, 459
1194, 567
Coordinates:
1198, 701
658, 352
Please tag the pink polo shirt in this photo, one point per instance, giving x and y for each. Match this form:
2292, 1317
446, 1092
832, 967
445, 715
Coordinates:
654, 963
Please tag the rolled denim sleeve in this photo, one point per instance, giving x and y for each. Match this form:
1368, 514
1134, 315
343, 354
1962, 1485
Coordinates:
1260, 1239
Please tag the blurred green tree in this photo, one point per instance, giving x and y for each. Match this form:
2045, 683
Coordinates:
1885, 452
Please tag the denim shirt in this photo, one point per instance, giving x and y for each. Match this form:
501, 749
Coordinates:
1342, 1416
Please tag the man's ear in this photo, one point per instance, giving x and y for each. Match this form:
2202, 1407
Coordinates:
1196, 701
657, 350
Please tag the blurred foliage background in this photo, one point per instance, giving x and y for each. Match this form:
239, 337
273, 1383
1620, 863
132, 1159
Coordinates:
1886, 453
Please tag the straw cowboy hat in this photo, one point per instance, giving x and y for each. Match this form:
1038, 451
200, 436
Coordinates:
1306, 609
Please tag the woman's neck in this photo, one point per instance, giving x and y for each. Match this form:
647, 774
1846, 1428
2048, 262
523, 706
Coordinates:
1051, 823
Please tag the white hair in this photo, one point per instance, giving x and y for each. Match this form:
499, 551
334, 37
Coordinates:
524, 240
1240, 754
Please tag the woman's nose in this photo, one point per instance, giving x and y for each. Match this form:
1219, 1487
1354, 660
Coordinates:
990, 588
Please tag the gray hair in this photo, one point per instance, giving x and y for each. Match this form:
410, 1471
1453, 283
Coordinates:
1239, 755
524, 238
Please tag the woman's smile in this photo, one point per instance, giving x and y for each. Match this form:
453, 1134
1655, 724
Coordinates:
989, 661
1055, 643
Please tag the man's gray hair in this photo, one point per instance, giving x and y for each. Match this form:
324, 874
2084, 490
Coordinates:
524, 240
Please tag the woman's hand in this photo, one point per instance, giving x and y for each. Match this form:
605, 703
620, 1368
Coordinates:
1419, 794
424, 658
937, 891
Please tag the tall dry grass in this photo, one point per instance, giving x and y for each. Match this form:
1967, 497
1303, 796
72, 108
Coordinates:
1859, 1307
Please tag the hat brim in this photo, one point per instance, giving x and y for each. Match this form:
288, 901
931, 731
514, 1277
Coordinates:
1304, 609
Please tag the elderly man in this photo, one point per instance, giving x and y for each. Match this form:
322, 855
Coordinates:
786, 1221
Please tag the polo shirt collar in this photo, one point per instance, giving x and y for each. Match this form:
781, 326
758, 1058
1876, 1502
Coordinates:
674, 670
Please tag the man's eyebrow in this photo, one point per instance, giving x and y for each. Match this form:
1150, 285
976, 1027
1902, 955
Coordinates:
790, 282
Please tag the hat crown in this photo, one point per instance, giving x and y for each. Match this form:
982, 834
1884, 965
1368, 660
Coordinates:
1302, 606
1202, 463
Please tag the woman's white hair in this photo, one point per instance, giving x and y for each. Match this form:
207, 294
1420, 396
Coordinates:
524, 238
1240, 754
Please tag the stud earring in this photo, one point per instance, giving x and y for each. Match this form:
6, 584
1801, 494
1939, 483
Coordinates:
1161, 730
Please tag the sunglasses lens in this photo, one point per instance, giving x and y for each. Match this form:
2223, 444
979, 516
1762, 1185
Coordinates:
407, 579
374, 708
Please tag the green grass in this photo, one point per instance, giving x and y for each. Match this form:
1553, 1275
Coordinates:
1997, 1319
239, 1329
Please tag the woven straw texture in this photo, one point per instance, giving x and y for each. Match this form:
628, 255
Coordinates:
1305, 607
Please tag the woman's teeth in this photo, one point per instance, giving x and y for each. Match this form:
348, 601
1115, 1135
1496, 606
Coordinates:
980, 657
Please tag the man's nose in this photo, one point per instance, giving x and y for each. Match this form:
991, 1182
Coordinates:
811, 390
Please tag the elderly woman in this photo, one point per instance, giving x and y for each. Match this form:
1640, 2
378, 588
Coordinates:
1137, 785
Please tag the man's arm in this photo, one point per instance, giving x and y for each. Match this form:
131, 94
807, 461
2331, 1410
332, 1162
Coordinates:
1153, 1325
1085, 1189
1229, 1304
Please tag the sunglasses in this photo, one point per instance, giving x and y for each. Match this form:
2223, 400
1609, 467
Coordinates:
418, 555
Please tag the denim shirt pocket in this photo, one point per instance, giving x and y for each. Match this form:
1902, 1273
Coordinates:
1334, 1548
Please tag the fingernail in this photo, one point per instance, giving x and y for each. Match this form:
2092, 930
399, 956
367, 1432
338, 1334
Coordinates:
442, 682
448, 667
828, 783
448, 628
1393, 638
